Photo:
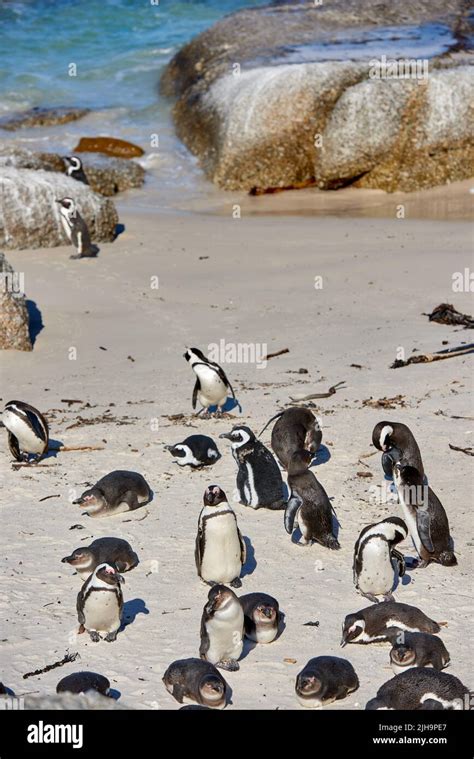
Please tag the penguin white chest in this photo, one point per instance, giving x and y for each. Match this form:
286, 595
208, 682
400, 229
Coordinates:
101, 612
66, 227
225, 631
213, 391
221, 558
250, 493
28, 441
377, 575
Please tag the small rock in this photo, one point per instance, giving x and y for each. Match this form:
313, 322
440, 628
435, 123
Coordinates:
38, 117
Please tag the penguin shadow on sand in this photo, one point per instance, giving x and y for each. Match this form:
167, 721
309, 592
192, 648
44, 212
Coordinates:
230, 405
114, 693
250, 560
53, 449
35, 320
322, 456
131, 609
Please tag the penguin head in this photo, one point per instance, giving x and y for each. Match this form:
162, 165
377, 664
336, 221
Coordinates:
81, 558
219, 597
214, 495
300, 461
107, 573
352, 629
212, 690
177, 450
73, 161
194, 354
93, 499
67, 207
382, 436
403, 655
239, 436
308, 684
264, 614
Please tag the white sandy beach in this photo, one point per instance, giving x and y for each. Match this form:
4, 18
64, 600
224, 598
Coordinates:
255, 285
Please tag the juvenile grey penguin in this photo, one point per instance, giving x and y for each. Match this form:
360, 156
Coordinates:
420, 688
76, 229
262, 617
75, 168
372, 623
222, 628
83, 682
396, 441
196, 681
220, 549
410, 649
100, 604
295, 430
114, 551
375, 556
259, 479
212, 387
115, 493
308, 504
195, 451
425, 517
28, 432
325, 679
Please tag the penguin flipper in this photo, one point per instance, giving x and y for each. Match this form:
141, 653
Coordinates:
389, 458
423, 527
243, 547
197, 387
199, 549
178, 692
14, 446
400, 559
292, 508
80, 614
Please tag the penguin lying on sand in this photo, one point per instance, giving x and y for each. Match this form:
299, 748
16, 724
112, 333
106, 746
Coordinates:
421, 689
195, 451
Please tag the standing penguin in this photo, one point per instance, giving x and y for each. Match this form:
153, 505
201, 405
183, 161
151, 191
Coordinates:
114, 551
259, 480
28, 433
262, 617
396, 441
75, 169
100, 604
115, 493
425, 516
308, 504
222, 626
220, 549
212, 386
374, 556
196, 451
296, 429
76, 229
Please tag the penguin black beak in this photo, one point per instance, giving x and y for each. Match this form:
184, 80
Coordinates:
227, 435
78, 501
168, 447
343, 642
66, 559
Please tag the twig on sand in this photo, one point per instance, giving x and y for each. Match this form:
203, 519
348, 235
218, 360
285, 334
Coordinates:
68, 448
428, 358
49, 496
277, 353
330, 392
367, 455
453, 416
70, 401
467, 451
137, 520
65, 660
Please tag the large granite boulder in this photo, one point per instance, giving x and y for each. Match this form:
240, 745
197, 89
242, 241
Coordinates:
296, 92
40, 117
14, 321
106, 175
29, 215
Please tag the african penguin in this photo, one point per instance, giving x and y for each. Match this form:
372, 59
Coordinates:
212, 386
83, 682
308, 504
196, 451
196, 681
76, 229
100, 604
222, 626
75, 169
325, 679
371, 624
114, 551
259, 480
295, 430
375, 556
396, 441
410, 649
262, 617
421, 688
28, 433
425, 517
220, 549
115, 493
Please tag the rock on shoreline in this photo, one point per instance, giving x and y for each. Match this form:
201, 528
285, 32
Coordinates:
261, 108
14, 320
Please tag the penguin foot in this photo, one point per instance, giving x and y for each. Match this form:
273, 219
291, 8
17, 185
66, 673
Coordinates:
228, 664
110, 637
95, 637
370, 597
236, 583
304, 543
388, 597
